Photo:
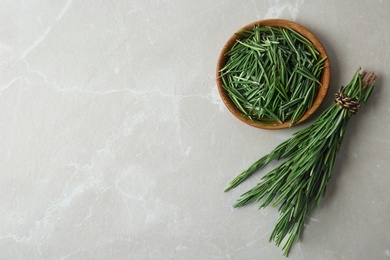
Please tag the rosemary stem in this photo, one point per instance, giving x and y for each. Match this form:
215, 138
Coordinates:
299, 183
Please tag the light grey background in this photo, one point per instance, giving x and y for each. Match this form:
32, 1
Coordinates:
114, 143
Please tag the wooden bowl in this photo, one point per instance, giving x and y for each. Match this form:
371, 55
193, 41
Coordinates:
325, 76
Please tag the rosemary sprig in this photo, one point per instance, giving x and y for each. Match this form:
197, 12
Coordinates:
272, 74
299, 183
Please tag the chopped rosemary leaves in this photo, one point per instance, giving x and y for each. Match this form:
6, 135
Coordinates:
300, 181
272, 74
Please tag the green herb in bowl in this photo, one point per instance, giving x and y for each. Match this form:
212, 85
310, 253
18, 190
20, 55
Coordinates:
272, 75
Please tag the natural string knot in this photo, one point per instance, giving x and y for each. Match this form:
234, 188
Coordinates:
345, 102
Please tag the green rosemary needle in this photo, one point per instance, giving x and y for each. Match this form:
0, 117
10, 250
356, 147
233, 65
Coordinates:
272, 74
300, 181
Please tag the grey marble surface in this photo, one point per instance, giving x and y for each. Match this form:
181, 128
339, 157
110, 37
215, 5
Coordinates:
115, 143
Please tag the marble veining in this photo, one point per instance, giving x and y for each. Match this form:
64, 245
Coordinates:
115, 143
277, 7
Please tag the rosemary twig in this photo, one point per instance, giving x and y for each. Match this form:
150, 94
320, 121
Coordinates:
300, 181
272, 74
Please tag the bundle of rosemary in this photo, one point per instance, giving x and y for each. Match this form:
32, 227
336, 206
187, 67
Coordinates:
300, 181
272, 74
